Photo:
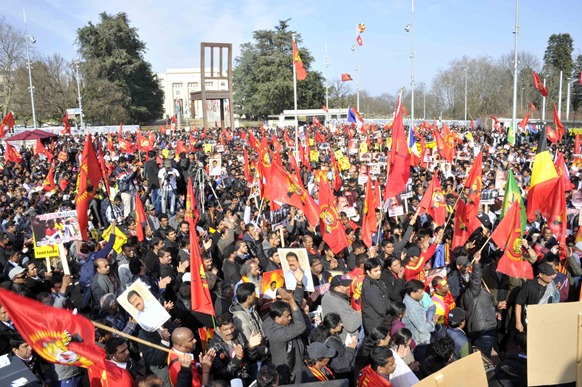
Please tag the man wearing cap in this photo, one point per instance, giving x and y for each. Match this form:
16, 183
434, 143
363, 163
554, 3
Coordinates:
442, 298
456, 318
337, 301
18, 277
315, 368
459, 279
540, 290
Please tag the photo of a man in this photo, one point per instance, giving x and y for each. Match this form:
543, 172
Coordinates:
296, 269
141, 304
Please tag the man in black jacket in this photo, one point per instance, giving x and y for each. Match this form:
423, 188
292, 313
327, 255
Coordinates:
151, 170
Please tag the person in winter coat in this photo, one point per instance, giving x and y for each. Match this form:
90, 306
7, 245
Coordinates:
375, 302
283, 328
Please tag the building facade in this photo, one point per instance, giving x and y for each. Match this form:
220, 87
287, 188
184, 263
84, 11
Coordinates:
177, 85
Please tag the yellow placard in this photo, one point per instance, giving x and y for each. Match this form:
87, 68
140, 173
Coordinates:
363, 148
344, 163
314, 156
338, 154
207, 148
48, 251
431, 144
120, 238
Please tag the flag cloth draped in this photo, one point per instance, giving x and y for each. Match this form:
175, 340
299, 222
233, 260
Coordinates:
87, 183
532, 107
558, 124
543, 177
433, 201
49, 182
463, 225
369, 217
39, 149
474, 185
562, 171
399, 157
140, 218
299, 69
200, 293
524, 122
7, 124
539, 85
346, 77
330, 226
507, 236
60, 336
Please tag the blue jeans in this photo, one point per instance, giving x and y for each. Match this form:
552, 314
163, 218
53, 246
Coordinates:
485, 342
156, 200
75, 381
168, 202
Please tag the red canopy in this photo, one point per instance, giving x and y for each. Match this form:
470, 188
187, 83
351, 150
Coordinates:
31, 135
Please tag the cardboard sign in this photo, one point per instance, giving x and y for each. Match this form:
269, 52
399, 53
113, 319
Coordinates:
463, 372
48, 230
141, 304
62, 157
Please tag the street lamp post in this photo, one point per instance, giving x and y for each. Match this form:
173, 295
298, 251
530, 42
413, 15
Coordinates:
465, 96
32, 40
514, 110
79, 94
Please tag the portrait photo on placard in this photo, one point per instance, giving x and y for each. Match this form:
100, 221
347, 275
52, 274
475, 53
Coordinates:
215, 165
140, 303
291, 261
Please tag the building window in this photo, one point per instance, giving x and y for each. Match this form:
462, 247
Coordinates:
193, 85
176, 85
208, 84
177, 92
222, 83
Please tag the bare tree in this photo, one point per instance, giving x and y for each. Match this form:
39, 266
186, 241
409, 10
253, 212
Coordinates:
12, 53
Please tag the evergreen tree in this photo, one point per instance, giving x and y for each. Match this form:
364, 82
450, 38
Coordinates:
263, 77
119, 85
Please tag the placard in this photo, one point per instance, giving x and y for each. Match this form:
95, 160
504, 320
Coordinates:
395, 207
140, 303
271, 281
488, 197
407, 194
291, 260
48, 230
215, 165
467, 371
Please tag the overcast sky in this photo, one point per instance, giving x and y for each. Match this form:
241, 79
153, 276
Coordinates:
444, 30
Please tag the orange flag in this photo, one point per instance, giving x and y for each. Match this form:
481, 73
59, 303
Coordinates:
507, 236
433, 201
330, 226
87, 183
369, 217
299, 69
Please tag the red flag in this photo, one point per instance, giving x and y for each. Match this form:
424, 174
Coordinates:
577, 145
330, 226
507, 236
359, 40
543, 178
316, 122
284, 188
562, 171
7, 124
433, 201
180, 148
532, 107
246, 166
304, 156
120, 133
299, 69
472, 125
369, 216
555, 212
264, 164
55, 334
110, 143
474, 184
140, 218
253, 142
551, 134
558, 124
337, 177
448, 151
12, 154
580, 76
104, 171
67, 129
201, 300
294, 166
346, 77
110, 375
463, 226
318, 137
524, 122
87, 183
143, 143
325, 109
399, 157
404, 110
539, 85
39, 149
126, 146
49, 182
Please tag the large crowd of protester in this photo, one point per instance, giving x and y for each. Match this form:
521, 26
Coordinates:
389, 312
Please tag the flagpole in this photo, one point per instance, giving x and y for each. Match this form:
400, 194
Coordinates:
295, 102
130, 337
514, 110
544, 105
326, 87
560, 96
29, 69
412, 71
568, 99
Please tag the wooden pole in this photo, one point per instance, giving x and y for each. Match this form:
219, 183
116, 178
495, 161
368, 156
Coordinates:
579, 352
282, 236
64, 262
130, 337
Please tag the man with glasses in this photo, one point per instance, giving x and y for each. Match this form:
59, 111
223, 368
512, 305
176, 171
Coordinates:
18, 278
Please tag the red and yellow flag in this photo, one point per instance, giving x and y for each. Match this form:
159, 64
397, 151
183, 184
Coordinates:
87, 183
369, 218
49, 182
399, 157
330, 226
433, 201
299, 69
140, 218
12, 154
474, 185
